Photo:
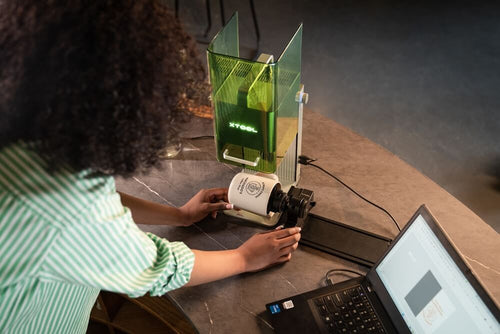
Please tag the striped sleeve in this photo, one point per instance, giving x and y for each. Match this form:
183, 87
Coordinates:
117, 256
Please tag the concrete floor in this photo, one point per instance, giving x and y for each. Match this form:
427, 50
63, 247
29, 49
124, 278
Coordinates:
421, 79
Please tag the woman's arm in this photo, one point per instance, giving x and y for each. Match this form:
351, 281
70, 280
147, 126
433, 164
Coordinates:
205, 202
151, 213
260, 251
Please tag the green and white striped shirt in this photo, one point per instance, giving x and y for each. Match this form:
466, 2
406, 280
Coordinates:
64, 237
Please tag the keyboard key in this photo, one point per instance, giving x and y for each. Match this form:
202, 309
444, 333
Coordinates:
339, 323
331, 307
338, 299
363, 313
323, 310
345, 296
327, 319
379, 326
319, 301
367, 322
328, 300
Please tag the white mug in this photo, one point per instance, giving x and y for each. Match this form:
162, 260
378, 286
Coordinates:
251, 192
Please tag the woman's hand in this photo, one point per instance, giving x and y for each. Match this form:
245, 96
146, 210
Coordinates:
266, 249
205, 202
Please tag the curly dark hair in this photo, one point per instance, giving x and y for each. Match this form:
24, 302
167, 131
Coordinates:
95, 84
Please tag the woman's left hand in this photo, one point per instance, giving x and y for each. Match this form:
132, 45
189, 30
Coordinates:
205, 202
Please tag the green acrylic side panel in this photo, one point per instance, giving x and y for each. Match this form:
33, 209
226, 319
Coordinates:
225, 44
249, 97
288, 77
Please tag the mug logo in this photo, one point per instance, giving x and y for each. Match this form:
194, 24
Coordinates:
253, 188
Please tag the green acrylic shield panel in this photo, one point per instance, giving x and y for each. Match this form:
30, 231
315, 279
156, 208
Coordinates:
256, 115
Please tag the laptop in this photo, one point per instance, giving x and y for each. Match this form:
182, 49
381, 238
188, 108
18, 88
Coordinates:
420, 285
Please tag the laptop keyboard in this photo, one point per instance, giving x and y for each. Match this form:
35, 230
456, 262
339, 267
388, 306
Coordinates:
348, 311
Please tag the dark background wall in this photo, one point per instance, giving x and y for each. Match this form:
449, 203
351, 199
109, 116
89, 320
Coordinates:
422, 79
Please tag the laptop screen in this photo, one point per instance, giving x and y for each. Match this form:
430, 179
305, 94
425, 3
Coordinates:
428, 288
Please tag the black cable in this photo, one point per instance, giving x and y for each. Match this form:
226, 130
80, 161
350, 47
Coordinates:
176, 9
222, 14
256, 26
209, 18
329, 272
304, 160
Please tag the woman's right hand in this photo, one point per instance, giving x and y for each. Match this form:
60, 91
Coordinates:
266, 249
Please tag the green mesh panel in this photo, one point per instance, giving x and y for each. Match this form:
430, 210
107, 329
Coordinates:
250, 98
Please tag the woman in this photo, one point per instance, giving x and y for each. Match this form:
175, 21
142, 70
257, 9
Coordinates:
88, 91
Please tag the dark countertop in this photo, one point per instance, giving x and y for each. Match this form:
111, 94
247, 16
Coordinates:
237, 304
